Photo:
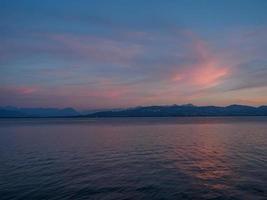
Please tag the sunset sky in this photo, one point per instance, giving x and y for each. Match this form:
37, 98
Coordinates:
91, 54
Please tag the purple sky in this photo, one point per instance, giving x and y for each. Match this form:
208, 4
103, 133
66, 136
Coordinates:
106, 54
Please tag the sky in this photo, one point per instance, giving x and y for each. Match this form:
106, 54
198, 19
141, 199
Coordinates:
92, 54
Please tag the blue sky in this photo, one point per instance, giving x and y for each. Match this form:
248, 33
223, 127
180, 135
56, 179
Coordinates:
103, 54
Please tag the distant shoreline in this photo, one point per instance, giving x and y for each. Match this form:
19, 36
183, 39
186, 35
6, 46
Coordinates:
133, 117
187, 110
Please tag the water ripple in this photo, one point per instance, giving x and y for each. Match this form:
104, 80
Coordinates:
131, 159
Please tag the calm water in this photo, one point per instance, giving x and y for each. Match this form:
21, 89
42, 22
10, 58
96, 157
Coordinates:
163, 158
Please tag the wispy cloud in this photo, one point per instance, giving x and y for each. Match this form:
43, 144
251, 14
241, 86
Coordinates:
133, 67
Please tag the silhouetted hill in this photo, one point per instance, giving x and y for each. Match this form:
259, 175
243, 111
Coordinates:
185, 110
37, 112
11, 113
142, 111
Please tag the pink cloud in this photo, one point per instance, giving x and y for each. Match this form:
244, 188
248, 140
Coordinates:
207, 71
19, 90
208, 75
26, 90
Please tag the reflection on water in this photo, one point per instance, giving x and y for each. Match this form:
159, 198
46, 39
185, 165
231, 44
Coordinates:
153, 158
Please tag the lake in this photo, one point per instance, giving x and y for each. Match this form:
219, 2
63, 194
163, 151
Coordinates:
134, 158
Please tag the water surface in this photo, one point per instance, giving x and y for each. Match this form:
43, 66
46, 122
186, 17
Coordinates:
133, 158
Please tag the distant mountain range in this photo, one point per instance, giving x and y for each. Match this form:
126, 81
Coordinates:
143, 111
185, 110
